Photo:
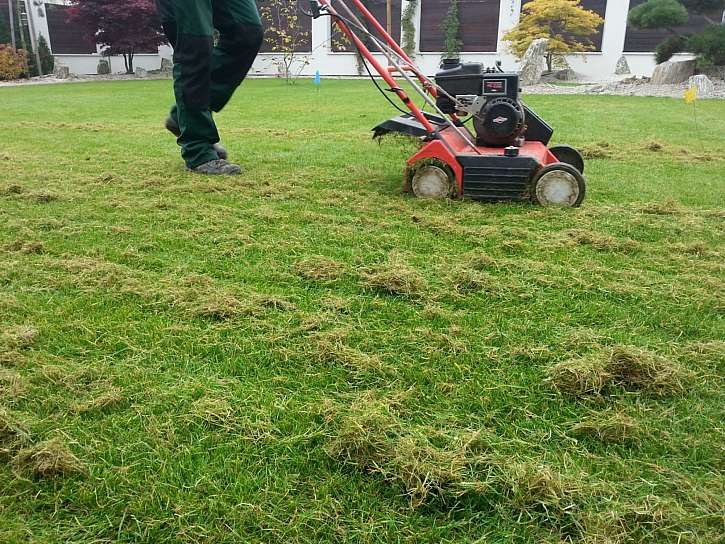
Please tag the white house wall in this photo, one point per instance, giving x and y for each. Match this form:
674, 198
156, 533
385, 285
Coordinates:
591, 66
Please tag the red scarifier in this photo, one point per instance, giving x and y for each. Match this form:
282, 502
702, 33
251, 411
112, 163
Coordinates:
505, 158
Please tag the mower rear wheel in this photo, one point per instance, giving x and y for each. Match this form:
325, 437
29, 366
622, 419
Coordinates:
569, 155
559, 184
433, 180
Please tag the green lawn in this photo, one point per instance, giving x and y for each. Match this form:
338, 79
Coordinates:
305, 354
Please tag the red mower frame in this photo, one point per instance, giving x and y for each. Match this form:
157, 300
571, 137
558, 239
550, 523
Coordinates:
449, 142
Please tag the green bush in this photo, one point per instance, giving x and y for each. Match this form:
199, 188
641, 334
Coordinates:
672, 45
709, 45
658, 14
47, 60
5, 32
12, 62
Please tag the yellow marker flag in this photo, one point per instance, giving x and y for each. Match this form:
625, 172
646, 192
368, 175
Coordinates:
690, 95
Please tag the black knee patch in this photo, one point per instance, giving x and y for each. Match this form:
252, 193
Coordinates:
241, 38
193, 54
242, 42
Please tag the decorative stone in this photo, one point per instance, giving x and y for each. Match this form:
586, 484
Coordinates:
566, 74
166, 65
534, 62
703, 85
141, 72
61, 71
622, 67
103, 68
672, 73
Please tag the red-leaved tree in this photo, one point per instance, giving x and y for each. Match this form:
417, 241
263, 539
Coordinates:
121, 27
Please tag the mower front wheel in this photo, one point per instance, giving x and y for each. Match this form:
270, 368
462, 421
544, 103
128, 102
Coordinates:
559, 184
431, 179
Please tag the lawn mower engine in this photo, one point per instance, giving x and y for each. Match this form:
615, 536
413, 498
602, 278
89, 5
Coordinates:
490, 96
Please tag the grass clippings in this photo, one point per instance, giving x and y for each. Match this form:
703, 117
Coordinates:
100, 403
625, 366
18, 337
394, 278
609, 426
599, 241
48, 459
665, 207
599, 150
319, 269
330, 347
443, 466
26, 247
13, 433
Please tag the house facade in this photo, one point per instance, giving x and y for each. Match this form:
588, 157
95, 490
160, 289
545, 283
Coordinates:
482, 26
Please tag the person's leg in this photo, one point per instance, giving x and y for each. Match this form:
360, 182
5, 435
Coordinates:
193, 46
240, 37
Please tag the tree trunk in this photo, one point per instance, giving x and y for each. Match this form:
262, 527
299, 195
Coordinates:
130, 62
550, 62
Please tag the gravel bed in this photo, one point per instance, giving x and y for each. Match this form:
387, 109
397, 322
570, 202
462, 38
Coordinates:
627, 87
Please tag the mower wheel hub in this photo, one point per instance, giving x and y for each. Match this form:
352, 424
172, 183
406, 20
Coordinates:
559, 187
431, 181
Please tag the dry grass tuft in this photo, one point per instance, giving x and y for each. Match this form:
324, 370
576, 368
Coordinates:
216, 305
533, 490
213, 412
370, 436
43, 197
601, 242
696, 248
430, 464
330, 347
319, 269
666, 207
102, 402
48, 459
274, 302
629, 367
21, 337
599, 150
653, 145
609, 426
642, 369
28, 248
467, 280
480, 261
13, 189
13, 433
579, 377
395, 278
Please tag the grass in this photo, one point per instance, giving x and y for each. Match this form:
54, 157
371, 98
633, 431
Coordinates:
306, 354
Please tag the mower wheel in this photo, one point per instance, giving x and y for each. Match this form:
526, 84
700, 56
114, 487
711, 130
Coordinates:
559, 184
569, 155
433, 180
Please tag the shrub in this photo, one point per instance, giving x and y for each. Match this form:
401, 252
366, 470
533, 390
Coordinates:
672, 45
47, 60
709, 45
12, 62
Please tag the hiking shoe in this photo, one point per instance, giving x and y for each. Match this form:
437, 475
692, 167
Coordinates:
173, 127
219, 167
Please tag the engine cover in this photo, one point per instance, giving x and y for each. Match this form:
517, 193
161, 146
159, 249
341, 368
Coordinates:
500, 122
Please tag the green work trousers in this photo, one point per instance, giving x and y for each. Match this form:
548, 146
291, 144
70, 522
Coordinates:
206, 75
